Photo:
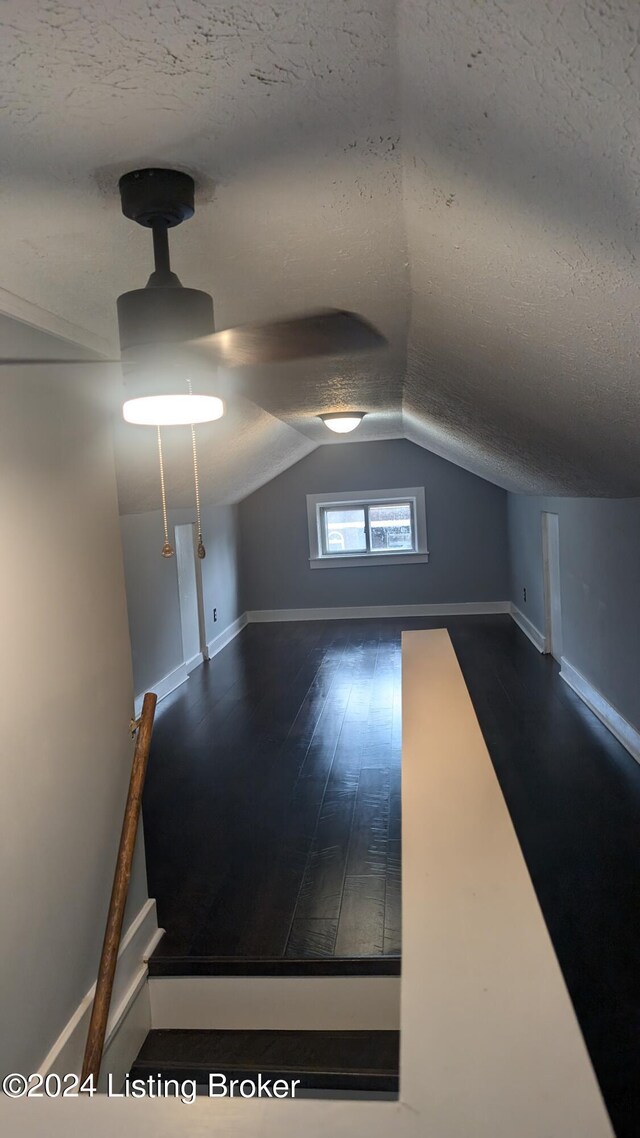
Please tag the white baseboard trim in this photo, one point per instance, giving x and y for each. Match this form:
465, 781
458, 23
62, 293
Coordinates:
165, 686
624, 731
173, 680
471, 608
226, 636
194, 662
535, 636
130, 1016
127, 1038
169, 683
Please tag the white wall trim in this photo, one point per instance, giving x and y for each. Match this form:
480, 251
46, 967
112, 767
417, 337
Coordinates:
179, 675
165, 686
226, 636
536, 637
346, 561
130, 996
195, 661
26, 312
127, 1037
320, 560
173, 680
624, 731
471, 608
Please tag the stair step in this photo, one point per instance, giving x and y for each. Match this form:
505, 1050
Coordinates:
359, 1061
274, 966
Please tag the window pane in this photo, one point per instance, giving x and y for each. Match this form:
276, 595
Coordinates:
344, 531
391, 526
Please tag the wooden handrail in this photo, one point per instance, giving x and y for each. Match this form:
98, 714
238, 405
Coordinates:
121, 879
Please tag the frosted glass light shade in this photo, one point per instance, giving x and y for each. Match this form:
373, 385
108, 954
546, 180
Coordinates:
172, 410
343, 421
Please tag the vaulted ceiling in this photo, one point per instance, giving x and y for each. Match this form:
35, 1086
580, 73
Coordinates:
465, 175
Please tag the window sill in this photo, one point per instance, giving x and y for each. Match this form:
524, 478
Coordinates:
346, 561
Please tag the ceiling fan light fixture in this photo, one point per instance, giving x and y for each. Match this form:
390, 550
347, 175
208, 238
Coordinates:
343, 421
172, 410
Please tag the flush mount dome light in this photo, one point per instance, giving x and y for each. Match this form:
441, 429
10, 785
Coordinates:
172, 410
343, 421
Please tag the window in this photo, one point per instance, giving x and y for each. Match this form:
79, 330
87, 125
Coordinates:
374, 527
367, 528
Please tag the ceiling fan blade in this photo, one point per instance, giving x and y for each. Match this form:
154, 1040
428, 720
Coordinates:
329, 332
23, 362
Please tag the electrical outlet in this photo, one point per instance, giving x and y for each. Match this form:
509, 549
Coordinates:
524, 595
215, 614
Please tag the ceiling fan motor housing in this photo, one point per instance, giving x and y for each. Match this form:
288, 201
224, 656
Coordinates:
163, 316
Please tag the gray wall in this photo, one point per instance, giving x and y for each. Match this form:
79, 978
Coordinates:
600, 583
152, 587
66, 702
466, 526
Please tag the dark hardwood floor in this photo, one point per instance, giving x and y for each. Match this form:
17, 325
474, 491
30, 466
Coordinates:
272, 807
272, 811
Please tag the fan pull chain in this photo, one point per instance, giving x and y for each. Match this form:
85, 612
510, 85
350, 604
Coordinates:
167, 548
201, 551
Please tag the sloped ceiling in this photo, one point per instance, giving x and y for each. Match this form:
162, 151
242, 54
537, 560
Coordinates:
465, 175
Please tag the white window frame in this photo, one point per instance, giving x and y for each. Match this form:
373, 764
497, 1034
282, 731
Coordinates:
317, 502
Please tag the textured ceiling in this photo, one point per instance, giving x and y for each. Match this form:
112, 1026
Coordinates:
465, 175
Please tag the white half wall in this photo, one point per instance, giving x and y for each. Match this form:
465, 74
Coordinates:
489, 1037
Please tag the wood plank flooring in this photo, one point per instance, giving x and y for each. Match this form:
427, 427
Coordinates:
272, 811
272, 807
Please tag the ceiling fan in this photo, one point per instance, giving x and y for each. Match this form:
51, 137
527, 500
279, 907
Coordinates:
168, 340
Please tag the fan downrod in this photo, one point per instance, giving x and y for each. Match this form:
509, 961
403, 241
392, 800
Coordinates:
163, 312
